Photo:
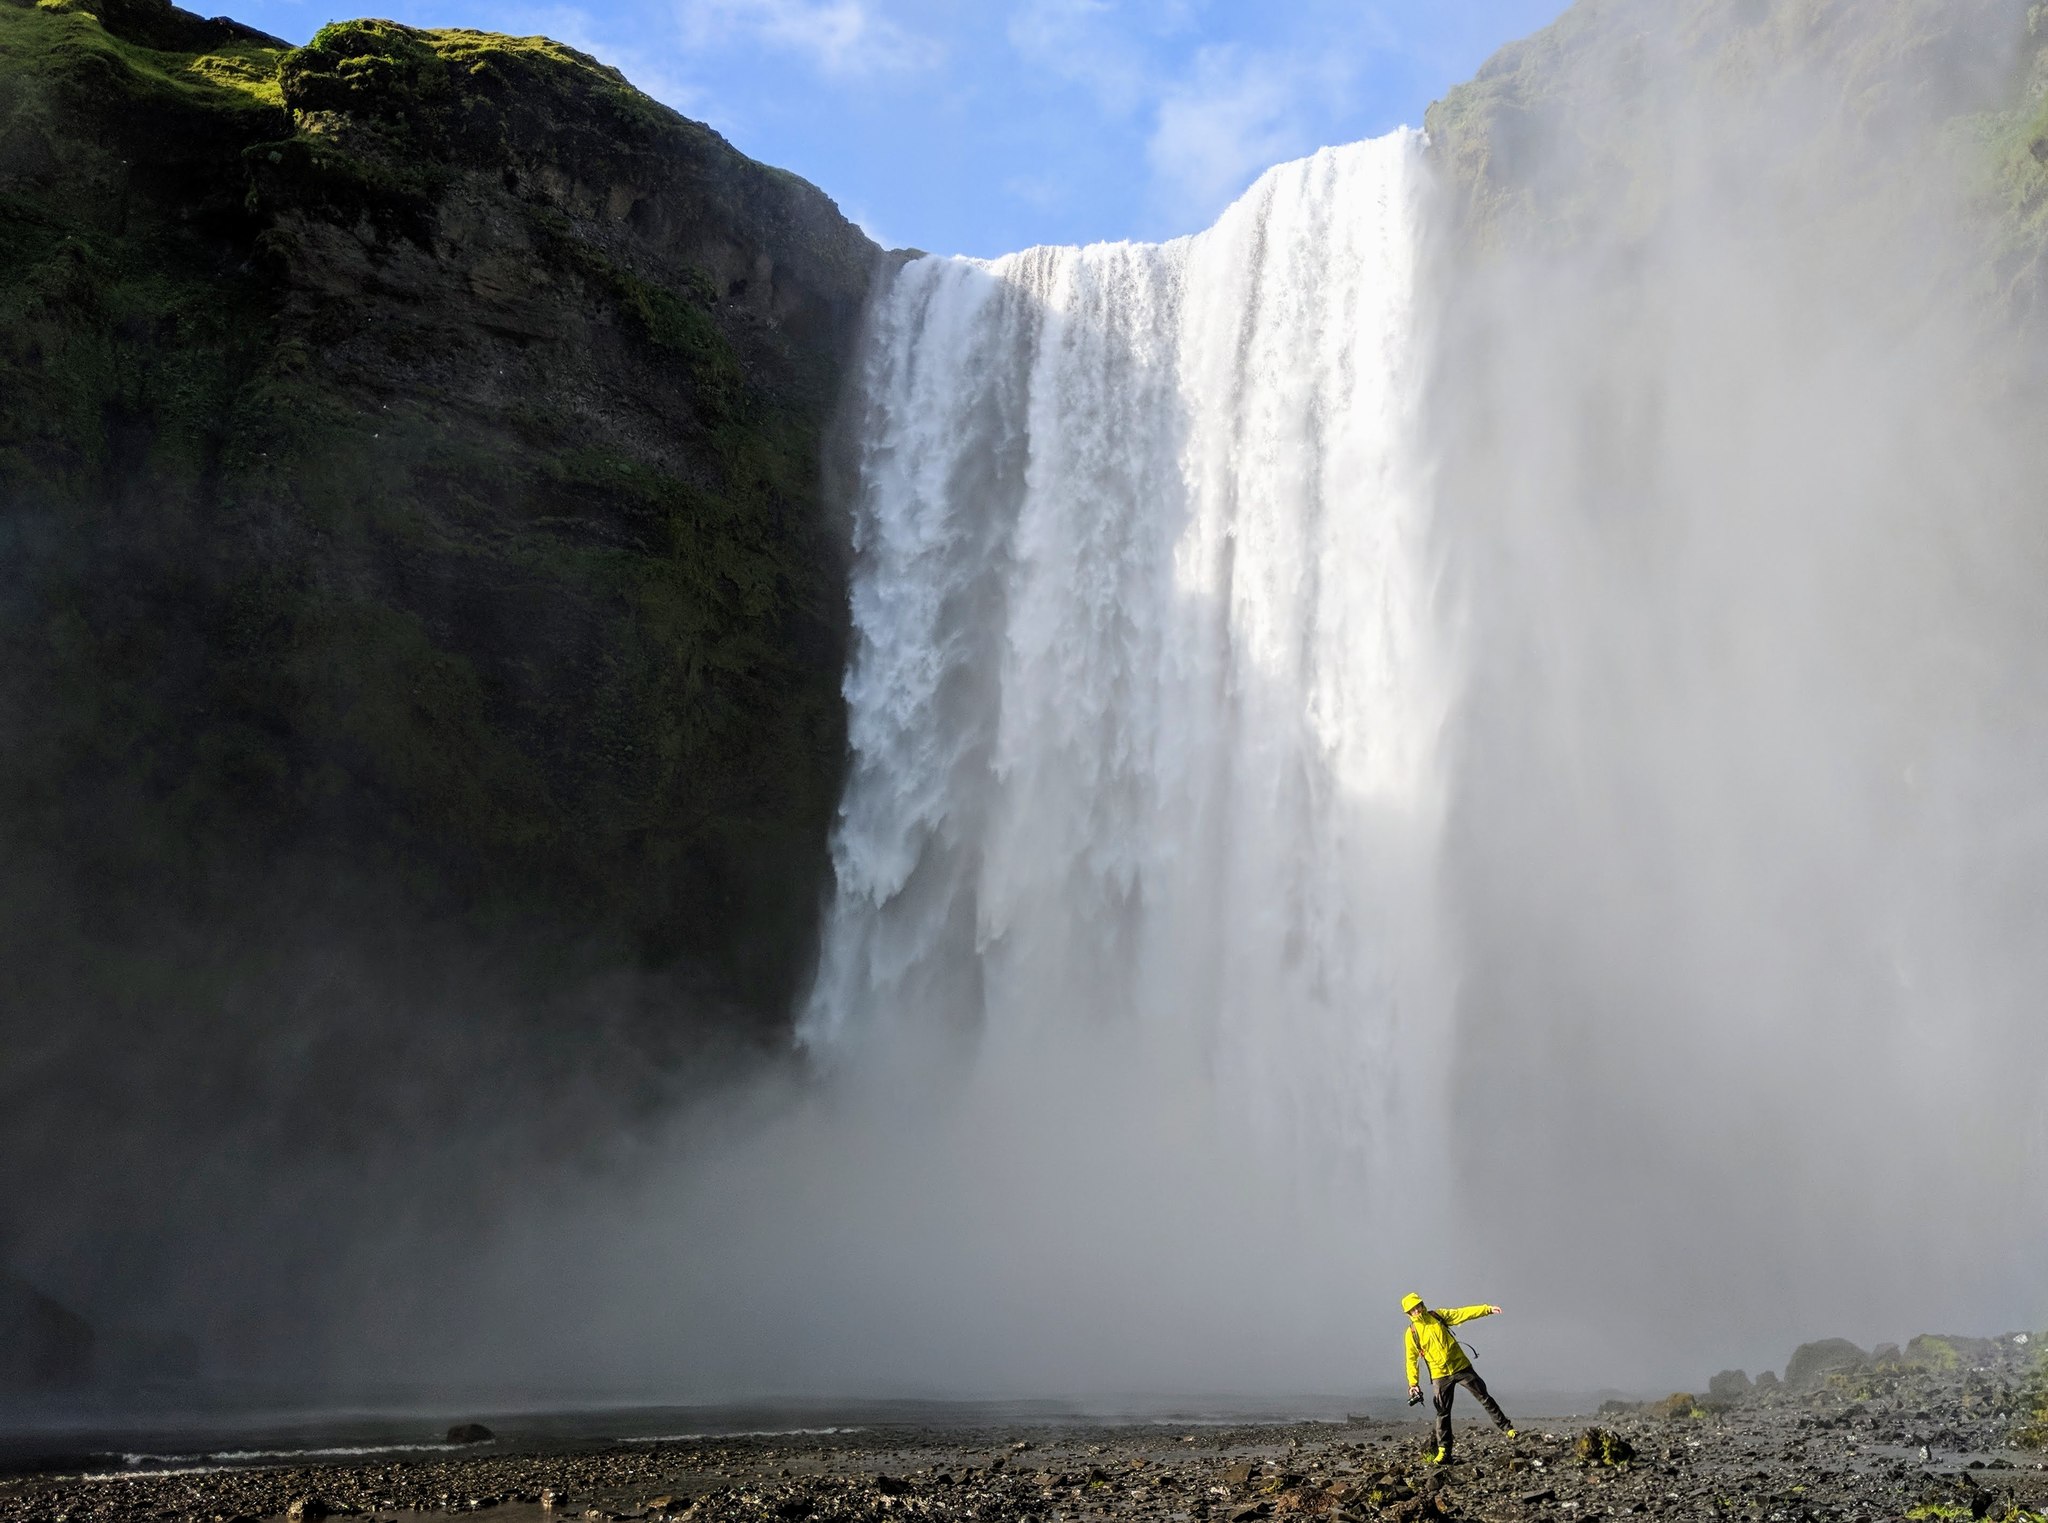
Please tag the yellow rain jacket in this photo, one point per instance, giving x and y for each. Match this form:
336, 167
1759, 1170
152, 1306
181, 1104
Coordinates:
1431, 1339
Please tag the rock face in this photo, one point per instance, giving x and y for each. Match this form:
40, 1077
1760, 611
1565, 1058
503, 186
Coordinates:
448, 417
422, 624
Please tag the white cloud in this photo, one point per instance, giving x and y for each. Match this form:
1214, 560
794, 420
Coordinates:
1216, 117
1085, 42
1233, 116
839, 37
1046, 192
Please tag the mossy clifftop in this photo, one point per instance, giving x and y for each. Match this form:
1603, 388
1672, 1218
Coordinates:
414, 543
1576, 133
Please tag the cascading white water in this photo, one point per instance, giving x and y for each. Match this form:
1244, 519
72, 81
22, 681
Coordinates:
1148, 679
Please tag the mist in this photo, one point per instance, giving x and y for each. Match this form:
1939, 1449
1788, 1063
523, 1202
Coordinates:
1475, 729
1740, 505
1731, 577
1683, 999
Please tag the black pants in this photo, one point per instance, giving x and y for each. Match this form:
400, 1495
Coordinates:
1447, 1387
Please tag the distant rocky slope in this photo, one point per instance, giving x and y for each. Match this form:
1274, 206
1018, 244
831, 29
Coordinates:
1574, 133
421, 621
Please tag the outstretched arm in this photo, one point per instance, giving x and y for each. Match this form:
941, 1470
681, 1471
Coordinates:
1465, 1313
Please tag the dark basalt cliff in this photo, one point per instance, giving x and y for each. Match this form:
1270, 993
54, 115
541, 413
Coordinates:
410, 448
421, 619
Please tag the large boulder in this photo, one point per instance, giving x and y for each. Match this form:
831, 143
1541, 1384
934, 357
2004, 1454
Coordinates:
43, 1345
1729, 1385
1947, 1351
1812, 1363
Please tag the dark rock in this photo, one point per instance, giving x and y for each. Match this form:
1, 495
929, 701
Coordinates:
480, 602
1531, 1498
470, 1433
1812, 1363
306, 1509
892, 1485
1600, 1446
1945, 1351
1729, 1385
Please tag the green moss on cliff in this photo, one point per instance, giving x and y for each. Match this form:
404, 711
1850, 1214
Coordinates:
1581, 127
145, 56
456, 83
390, 492
2012, 148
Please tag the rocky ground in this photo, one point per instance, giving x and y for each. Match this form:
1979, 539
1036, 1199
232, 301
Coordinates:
1950, 1430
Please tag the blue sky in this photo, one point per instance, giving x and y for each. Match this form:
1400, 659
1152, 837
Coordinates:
981, 126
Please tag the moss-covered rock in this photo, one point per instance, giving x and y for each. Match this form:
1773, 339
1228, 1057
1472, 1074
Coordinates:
1677, 1406
1582, 125
411, 454
1603, 1446
1729, 1386
1813, 1362
2031, 1431
479, 403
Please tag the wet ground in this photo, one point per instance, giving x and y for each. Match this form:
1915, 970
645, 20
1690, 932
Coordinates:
1921, 1444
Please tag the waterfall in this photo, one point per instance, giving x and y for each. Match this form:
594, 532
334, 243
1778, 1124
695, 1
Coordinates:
1148, 677
1234, 928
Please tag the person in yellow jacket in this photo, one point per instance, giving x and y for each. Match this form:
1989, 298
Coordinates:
1430, 1339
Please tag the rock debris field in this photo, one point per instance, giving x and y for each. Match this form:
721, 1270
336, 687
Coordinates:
1947, 1429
